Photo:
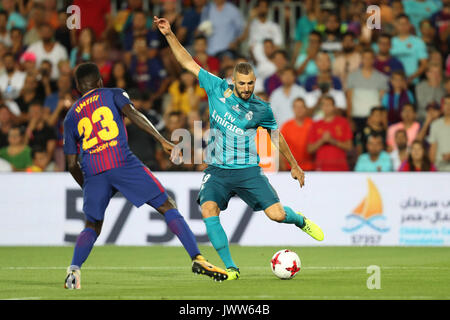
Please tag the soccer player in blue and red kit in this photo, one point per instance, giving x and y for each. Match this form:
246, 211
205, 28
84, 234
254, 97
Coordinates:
99, 159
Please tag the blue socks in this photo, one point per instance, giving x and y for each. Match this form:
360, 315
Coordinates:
219, 240
83, 246
179, 227
293, 218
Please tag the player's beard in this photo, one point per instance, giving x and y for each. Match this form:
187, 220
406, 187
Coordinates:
241, 93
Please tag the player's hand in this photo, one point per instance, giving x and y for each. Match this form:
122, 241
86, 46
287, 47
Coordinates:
163, 25
176, 156
298, 174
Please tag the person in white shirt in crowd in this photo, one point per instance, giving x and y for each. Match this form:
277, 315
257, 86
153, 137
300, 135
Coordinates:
261, 28
12, 80
313, 98
282, 98
365, 88
48, 49
400, 154
264, 66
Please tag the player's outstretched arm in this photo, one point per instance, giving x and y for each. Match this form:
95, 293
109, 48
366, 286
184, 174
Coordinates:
143, 123
296, 172
180, 53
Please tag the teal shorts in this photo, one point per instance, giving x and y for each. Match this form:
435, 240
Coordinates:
249, 184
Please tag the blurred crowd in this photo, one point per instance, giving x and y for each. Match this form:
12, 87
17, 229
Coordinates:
349, 94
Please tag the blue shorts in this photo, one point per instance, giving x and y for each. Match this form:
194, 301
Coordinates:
135, 182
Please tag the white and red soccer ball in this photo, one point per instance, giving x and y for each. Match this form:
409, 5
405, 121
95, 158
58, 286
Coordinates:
285, 264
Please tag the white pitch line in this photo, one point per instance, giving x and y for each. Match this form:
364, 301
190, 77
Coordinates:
24, 298
247, 268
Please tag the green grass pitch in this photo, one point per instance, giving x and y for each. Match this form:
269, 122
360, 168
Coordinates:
157, 272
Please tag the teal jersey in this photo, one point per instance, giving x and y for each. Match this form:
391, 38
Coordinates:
233, 124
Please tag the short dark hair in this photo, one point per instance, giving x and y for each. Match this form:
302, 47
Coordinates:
398, 73
375, 135
37, 149
243, 67
200, 37
87, 72
385, 35
280, 51
4, 13
377, 108
401, 16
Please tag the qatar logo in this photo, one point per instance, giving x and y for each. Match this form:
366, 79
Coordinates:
368, 213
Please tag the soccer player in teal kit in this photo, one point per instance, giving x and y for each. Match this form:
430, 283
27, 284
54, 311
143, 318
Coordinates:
234, 114
99, 159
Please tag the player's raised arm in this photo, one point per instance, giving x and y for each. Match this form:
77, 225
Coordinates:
180, 53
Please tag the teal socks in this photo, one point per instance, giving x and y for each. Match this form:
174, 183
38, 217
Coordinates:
219, 240
293, 218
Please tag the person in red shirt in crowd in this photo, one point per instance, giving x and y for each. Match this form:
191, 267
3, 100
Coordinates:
330, 139
418, 159
296, 133
95, 14
207, 62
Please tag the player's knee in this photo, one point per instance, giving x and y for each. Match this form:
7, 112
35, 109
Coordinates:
210, 209
96, 226
278, 215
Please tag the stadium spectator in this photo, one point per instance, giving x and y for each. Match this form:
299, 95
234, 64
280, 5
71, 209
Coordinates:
365, 87
35, 22
428, 36
191, 19
384, 61
17, 153
64, 35
296, 132
314, 97
260, 28
31, 92
207, 62
332, 34
120, 76
429, 90
139, 28
100, 57
4, 33
185, 94
83, 51
323, 63
17, 45
224, 23
397, 96
418, 159
374, 126
124, 17
441, 22
38, 133
15, 19
48, 49
305, 26
419, 10
175, 120
41, 161
330, 139
198, 140
27, 63
409, 123
6, 123
12, 80
96, 15
306, 62
349, 60
148, 74
375, 159
400, 154
280, 60
282, 98
433, 113
141, 143
439, 138
410, 50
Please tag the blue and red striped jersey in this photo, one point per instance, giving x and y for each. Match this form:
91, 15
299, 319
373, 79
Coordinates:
94, 129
